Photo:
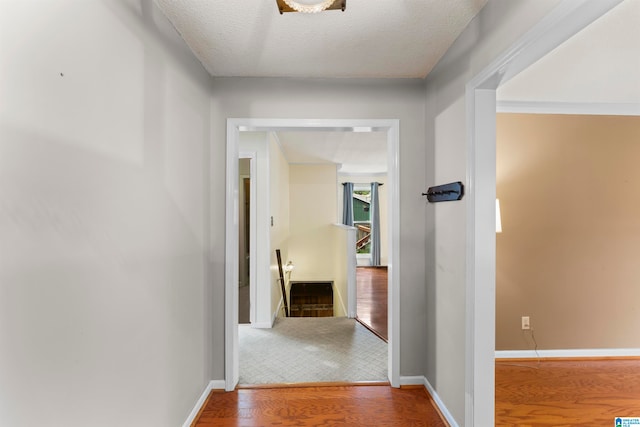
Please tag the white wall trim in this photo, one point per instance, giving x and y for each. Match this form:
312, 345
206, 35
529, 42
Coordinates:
352, 279
232, 357
280, 306
262, 325
213, 385
253, 232
569, 17
234, 126
570, 353
344, 227
216, 384
585, 108
412, 380
421, 380
358, 174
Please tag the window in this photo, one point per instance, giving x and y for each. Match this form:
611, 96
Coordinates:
362, 218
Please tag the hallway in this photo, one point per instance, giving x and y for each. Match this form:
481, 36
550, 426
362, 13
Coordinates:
311, 350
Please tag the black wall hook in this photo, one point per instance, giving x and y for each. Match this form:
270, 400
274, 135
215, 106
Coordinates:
445, 192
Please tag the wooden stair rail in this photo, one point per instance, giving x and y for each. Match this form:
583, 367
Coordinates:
367, 237
282, 285
363, 242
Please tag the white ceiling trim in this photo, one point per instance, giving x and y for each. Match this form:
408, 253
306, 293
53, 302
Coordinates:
584, 108
357, 174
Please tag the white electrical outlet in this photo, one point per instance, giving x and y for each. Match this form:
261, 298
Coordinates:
525, 323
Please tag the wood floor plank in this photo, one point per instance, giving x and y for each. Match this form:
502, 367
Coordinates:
321, 406
372, 299
566, 393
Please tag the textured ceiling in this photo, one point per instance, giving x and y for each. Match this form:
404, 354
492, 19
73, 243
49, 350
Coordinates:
600, 64
372, 38
394, 39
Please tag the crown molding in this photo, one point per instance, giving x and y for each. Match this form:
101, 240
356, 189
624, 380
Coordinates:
585, 108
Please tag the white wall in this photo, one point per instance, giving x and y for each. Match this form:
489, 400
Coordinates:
497, 27
331, 99
258, 143
343, 257
104, 210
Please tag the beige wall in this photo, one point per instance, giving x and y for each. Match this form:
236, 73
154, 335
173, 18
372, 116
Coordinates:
312, 198
279, 208
342, 251
569, 190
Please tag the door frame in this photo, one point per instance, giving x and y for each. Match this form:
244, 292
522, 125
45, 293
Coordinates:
567, 19
237, 125
253, 214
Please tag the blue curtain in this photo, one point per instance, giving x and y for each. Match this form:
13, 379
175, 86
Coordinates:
375, 225
347, 204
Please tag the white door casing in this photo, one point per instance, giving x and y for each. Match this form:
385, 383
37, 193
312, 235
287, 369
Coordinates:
567, 19
234, 127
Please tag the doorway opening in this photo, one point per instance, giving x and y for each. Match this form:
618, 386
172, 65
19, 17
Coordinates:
562, 23
244, 240
234, 128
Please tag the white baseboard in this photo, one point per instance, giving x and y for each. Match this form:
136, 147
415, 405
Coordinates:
274, 316
213, 385
422, 380
217, 384
341, 301
595, 352
262, 325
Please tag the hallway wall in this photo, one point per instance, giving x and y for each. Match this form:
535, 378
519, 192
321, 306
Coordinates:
104, 209
566, 257
338, 99
497, 27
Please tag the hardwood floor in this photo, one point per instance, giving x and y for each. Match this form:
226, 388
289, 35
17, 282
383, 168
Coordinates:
320, 406
566, 392
528, 393
372, 299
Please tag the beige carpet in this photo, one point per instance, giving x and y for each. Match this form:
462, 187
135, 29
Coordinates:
311, 349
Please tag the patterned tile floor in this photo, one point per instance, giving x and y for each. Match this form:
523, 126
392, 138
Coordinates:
311, 349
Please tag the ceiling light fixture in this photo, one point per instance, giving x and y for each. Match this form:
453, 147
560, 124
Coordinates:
310, 6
